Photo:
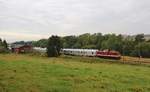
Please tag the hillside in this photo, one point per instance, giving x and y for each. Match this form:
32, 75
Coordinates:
147, 36
24, 73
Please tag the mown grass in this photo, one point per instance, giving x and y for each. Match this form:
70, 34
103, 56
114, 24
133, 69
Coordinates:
24, 73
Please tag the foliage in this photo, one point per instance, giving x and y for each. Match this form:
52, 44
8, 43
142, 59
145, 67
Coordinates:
3, 46
40, 43
139, 38
125, 45
128, 47
113, 42
142, 49
69, 41
54, 46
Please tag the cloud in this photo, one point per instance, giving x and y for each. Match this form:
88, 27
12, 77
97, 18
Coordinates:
73, 17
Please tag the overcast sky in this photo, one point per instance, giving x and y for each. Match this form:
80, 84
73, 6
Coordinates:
35, 19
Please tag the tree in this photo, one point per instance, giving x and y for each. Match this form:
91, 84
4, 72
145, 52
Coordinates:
54, 46
83, 40
1, 41
40, 43
113, 42
139, 38
142, 49
128, 47
5, 44
99, 40
69, 41
95, 41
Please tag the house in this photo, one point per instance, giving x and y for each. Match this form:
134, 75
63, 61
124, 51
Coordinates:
21, 48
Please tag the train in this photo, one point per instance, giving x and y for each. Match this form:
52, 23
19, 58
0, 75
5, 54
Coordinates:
86, 52
92, 53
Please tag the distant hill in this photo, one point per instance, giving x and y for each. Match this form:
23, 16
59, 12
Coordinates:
147, 37
23, 42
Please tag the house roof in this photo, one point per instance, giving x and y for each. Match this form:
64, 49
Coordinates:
18, 45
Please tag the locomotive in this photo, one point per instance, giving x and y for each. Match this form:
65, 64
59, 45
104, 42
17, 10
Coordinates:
108, 54
92, 53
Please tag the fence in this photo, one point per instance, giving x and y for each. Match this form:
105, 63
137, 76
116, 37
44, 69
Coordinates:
136, 60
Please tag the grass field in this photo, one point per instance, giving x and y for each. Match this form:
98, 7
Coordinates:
24, 73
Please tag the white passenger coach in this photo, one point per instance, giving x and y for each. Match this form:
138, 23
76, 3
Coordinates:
80, 52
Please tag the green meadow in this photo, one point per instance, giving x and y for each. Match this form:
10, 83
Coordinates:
26, 73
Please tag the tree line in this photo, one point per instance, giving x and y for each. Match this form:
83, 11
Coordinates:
129, 46
3, 46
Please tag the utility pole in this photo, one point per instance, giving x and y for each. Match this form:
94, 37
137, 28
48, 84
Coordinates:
123, 54
139, 53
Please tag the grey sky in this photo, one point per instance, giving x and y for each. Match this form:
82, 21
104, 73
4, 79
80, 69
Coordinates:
35, 19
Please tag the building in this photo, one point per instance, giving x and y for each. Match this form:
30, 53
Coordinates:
21, 48
39, 49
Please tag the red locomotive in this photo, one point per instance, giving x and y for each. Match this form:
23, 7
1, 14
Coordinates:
108, 54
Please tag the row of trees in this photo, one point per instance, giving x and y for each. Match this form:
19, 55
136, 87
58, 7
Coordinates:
130, 46
3, 46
